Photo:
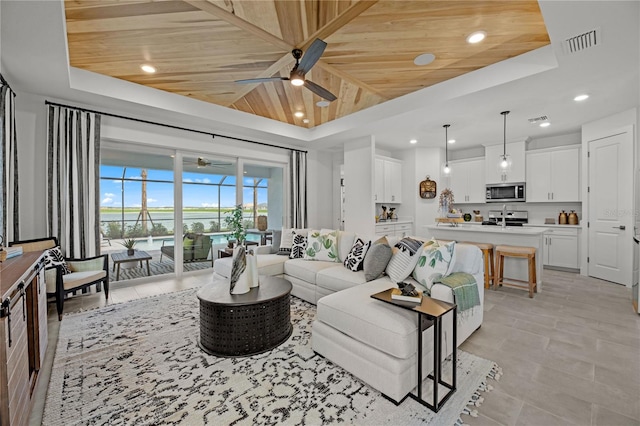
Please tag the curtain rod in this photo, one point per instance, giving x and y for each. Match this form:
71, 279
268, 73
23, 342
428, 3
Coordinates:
140, 120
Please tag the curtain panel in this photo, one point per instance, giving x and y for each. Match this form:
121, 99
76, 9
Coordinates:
73, 173
9, 202
298, 185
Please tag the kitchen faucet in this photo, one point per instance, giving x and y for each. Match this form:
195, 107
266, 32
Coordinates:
504, 216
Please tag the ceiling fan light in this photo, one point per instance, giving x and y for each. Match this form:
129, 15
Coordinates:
297, 81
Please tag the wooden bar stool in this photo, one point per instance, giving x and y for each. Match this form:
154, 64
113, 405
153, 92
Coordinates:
521, 252
489, 266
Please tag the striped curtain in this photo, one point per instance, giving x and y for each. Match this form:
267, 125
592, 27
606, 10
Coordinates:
9, 218
298, 185
73, 173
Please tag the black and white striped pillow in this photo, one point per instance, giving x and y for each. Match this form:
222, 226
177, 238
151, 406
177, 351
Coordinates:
355, 258
298, 247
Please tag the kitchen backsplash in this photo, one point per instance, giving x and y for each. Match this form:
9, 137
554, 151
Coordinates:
537, 211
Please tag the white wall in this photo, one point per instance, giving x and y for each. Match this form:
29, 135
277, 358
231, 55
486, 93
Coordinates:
420, 163
320, 186
358, 177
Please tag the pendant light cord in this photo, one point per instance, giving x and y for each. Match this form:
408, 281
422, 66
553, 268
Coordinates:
504, 133
446, 148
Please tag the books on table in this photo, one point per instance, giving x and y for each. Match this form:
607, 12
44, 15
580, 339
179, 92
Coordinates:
12, 251
396, 294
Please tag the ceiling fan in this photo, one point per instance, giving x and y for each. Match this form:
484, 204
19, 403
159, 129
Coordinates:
297, 76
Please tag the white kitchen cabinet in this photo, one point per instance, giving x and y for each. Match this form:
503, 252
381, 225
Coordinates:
516, 152
561, 248
387, 180
378, 177
467, 180
553, 175
400, 230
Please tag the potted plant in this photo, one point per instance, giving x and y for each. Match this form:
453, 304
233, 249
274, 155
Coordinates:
446, 202
129, 243
233, 220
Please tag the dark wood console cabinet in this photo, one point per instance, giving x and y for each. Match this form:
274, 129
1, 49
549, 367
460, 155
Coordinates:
23, 333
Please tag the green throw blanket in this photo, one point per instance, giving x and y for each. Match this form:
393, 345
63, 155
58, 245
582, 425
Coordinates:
464, 287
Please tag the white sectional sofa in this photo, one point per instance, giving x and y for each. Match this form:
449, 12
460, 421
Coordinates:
374, 341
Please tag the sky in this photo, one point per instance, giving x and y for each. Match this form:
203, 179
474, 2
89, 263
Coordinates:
160, 194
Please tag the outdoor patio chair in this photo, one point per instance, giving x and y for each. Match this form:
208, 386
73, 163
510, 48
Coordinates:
195, 248
84, 272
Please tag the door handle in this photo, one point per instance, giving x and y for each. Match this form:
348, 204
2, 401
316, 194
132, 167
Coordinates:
622, 227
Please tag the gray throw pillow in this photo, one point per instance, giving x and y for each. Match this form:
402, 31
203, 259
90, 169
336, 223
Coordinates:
376, 260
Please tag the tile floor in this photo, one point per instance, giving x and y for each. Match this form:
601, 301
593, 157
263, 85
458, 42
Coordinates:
571, 355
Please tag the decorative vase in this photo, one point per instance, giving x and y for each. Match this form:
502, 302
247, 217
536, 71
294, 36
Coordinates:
262, 223
444, 208
131, 252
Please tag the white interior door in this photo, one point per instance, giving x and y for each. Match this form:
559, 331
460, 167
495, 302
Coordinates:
610, 208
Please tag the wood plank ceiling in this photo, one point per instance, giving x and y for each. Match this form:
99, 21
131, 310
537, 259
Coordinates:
201, 47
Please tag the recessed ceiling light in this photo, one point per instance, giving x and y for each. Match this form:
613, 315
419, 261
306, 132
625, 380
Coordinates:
424, 59
148, 68
545, 124
323, 104
451, 141
299, 114
476, 37
413, 141
305, 121
581, 98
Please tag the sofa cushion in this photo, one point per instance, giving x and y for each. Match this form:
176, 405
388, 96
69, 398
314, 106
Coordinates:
276, 235
378, 324
286, 241
338, 278
298, 247
405, 256
436, 261
268, 264
305, 270
322, 245
355, 259
376, 259
345, 242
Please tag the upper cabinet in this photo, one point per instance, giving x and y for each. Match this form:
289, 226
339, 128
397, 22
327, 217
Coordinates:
387, 180
553, 175
516, 173
467, 180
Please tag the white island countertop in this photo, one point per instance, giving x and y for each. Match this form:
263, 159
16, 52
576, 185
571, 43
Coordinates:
510, 235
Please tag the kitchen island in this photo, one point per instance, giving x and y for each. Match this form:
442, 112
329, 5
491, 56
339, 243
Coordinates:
496, 235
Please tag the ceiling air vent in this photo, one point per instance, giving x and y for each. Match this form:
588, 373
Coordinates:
538, 119
583, 41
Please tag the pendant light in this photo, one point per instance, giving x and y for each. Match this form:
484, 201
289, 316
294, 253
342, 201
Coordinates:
504, 162
446, 169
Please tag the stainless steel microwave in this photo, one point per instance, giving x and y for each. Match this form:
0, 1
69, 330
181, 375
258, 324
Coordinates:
506, 192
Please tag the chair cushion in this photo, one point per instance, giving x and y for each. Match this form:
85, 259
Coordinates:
53, 257
383, 326
76, 279
305, 270
338, 278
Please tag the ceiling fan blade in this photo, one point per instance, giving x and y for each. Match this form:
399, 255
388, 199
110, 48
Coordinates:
312, 55
320, 91
261, 80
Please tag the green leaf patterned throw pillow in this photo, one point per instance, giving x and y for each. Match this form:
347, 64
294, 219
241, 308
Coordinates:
434, 262
322, 246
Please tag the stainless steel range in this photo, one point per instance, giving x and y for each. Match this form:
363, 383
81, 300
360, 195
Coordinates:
512, 217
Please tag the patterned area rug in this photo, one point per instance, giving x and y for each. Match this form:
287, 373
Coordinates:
139, 363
